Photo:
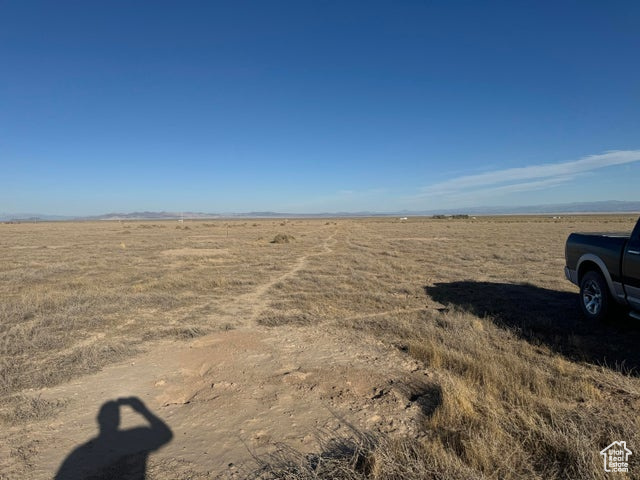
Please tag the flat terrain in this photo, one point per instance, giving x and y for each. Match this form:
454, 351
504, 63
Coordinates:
351, 348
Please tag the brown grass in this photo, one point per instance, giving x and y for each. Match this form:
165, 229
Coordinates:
527, 388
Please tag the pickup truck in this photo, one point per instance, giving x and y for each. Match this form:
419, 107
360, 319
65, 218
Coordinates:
606, 267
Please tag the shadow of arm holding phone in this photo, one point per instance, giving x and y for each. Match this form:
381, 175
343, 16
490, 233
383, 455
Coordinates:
116, 453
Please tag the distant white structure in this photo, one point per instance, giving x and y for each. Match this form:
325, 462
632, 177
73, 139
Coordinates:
403, 219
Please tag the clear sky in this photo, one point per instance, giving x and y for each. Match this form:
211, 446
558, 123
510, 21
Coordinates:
316, 106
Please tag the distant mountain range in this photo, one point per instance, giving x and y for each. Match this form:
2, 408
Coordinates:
611, 206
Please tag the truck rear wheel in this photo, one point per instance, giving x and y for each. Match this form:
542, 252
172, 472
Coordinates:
594, 296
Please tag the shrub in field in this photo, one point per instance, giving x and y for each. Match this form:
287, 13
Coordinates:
282, 238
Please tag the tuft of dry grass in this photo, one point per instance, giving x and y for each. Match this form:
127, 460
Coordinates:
22, 409
282, 238
276, 319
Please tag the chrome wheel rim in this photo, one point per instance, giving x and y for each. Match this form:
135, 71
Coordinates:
592, 297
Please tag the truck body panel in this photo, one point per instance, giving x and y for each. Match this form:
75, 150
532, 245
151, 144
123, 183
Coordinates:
615, 255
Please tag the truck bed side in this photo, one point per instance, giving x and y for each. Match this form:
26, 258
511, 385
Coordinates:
608, 248
602, 253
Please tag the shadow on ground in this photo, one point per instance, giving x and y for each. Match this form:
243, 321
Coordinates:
115, 453
548, 317
427, 396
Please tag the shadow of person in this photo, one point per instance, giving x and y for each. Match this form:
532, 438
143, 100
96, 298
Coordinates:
114, 453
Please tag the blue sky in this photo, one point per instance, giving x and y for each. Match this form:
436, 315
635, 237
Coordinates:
315, 106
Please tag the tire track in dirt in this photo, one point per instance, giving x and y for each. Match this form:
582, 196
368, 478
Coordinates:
257, 300
384, 313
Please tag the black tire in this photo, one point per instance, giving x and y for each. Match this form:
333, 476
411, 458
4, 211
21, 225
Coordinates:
595, 300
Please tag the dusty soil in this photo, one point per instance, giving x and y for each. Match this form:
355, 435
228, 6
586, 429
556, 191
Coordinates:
231, 395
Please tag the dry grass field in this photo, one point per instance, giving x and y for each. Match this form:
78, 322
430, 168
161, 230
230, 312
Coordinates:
333, 348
